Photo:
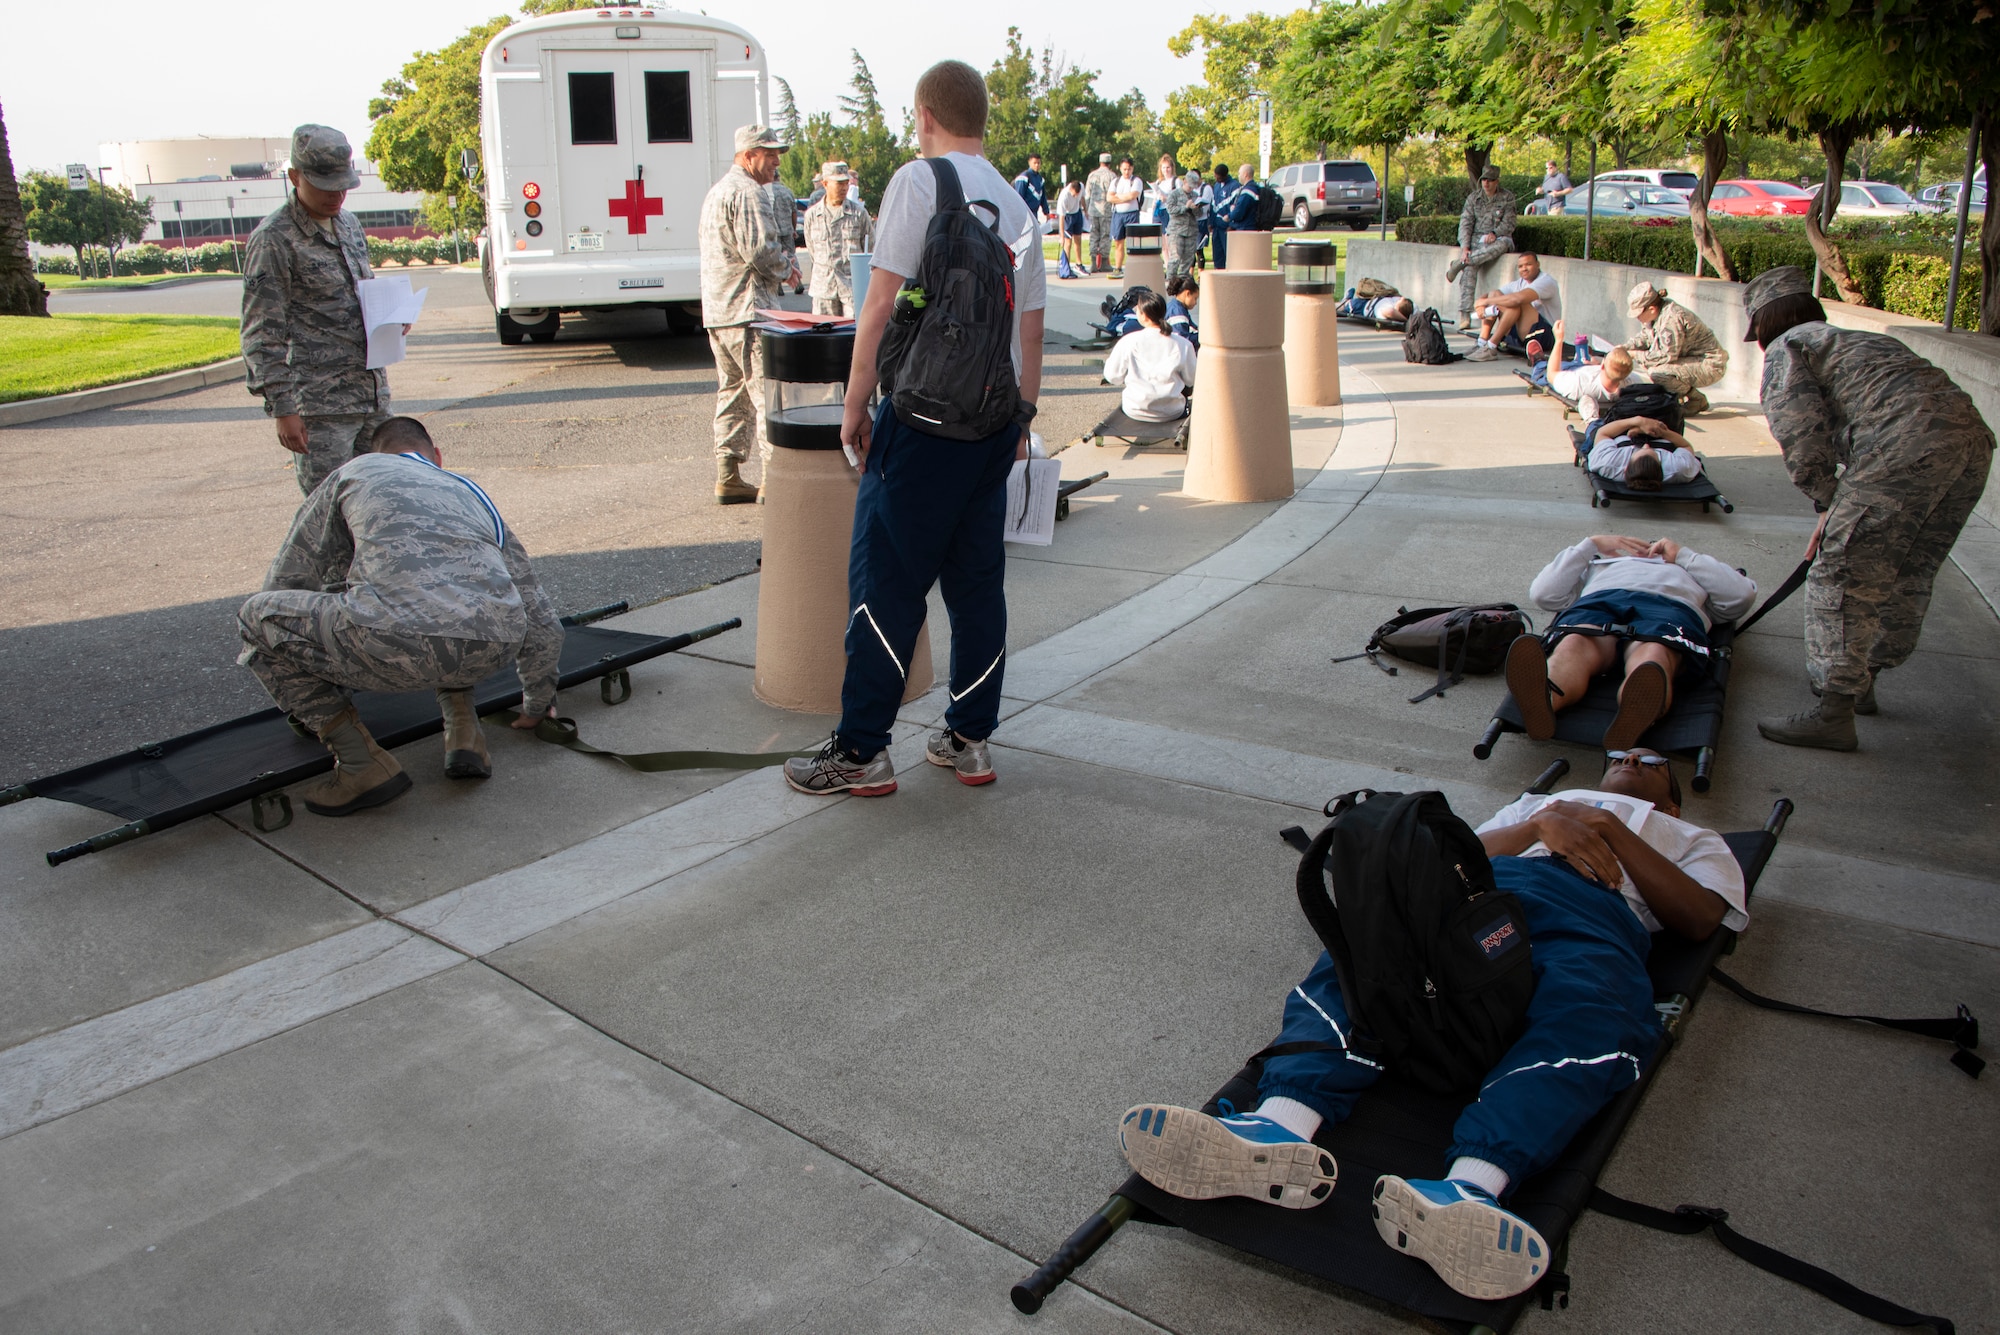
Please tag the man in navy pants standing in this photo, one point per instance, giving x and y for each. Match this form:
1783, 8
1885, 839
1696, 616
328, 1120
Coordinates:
930, 510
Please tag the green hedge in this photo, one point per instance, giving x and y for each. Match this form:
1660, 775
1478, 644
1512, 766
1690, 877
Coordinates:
1904, 278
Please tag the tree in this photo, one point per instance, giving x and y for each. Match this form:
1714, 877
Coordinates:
21, 293
866, 144
1240, 58
1013, 107
796, 168
60, 216
426, 117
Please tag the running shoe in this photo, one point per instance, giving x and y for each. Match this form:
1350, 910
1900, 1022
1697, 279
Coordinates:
1640, 703
1528, 683
1479, 1249
835, 771
1197, 1157
971, 759
1483, 354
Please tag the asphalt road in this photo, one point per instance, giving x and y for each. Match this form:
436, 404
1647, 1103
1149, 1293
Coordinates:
132, 534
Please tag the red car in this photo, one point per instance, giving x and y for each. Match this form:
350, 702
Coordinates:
1760, 199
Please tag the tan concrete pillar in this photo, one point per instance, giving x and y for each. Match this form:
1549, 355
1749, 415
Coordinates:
1247, 250
802, 593
1240, 438
1146, 271
1312, 349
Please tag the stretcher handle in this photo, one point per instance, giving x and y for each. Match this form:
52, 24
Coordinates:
1483, 748
1029, 1294
97, 843
1781, 811
1546, 780
597, 613
20, 792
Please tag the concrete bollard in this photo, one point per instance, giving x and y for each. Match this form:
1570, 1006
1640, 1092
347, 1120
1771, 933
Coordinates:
1240, 438
1312, 329
1148, 271
808, 509
1249, 250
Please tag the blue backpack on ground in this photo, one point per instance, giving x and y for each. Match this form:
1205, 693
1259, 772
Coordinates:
946, 361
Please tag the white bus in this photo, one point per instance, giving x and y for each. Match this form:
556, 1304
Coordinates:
601, 132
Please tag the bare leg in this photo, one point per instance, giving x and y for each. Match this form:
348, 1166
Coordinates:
1509, 316
1644, 651
1578, 658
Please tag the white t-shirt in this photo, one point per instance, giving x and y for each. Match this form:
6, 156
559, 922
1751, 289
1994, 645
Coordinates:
1610, 458
1547, 299
1585, 387
911, 199
1071, 199
1120, 183
1154, 369
1700, 853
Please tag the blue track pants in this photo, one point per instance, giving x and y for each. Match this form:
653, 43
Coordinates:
1591, 1028
930, 511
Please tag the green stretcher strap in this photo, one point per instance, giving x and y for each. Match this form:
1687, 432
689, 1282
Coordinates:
562, 732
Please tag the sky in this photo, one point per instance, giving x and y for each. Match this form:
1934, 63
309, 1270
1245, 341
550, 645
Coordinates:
203, 67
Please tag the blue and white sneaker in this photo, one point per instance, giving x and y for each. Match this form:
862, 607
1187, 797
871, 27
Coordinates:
1197, 1157
1478, 1248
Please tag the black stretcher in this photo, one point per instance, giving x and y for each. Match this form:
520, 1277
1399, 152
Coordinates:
1398, 1128
1393, 326
1568, 404
1691, 727
162, 784
1068, 489
1604, 490
1117, 426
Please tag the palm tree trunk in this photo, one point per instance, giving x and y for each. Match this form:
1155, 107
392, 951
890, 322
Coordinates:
1714, 157
1833, 142
21, 293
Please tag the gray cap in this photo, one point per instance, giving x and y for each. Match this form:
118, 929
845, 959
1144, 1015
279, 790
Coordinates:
758, 136
1787, 280
1644, 294
1489, 173
323, 156
1104, 157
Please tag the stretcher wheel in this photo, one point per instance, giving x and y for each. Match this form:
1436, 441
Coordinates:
1062, 508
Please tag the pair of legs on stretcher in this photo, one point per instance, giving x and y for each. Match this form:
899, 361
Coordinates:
1590, 1030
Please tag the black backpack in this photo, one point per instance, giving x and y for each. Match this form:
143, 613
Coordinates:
1434, 961
1424, 341
1454, 640
1648, 400
1270, 208
946, 360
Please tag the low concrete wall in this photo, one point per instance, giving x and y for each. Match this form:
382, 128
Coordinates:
1593, 299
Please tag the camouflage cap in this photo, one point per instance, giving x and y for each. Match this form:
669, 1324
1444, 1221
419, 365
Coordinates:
835, 171
322, 155
1644, 294
1787, 280
1489, 173
758, 136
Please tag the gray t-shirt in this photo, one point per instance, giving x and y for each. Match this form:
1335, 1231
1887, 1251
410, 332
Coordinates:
911, 199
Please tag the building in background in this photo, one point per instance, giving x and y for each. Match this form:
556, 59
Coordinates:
224, 187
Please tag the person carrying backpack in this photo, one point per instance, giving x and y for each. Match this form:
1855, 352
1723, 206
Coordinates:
1578, 882
951, 332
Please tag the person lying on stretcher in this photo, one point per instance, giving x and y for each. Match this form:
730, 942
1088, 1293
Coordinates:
1642, 452
1647, 605
1590, 1030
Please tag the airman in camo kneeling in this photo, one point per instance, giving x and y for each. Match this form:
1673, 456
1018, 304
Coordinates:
398, 576
1673, 347
304, 347
1894, 456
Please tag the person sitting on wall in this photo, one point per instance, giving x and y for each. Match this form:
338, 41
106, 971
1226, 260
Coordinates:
1485, 233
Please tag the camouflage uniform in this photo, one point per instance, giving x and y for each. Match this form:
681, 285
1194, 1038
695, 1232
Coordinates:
1897, 456
743, 259
784, 217
1677, 351
397, 576
303, 344
1183, 230
1480, 216
831, 236
1097, 204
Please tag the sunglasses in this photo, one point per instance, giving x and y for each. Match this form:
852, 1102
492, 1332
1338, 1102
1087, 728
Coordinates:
1637, 757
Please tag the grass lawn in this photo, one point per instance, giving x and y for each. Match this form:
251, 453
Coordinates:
70, 352
55, 281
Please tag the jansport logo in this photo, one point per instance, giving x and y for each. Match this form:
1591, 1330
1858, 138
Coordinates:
1499, 937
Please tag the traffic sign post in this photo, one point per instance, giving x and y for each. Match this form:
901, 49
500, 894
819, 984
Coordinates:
79, 180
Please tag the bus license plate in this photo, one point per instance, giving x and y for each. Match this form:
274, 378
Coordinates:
586, 241
642, 282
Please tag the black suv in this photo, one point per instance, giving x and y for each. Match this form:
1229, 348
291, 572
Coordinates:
1320, 192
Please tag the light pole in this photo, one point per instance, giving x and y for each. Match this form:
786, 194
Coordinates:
1263, 135
104, 219
468, 163
230, 200
180, 225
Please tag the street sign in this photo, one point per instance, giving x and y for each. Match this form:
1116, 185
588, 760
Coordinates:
1409, 194
79, 176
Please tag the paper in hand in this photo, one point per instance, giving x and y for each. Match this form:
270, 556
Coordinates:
387, 304
1031, 501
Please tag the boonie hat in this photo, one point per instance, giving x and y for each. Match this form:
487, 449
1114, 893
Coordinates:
1642, 296
1786, 280
835, 171
323, 156
758, 136
1489, 173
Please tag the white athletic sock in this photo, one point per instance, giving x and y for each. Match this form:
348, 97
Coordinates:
1292, 1115
1479, 1173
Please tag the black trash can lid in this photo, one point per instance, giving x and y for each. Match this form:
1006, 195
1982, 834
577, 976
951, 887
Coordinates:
808, 358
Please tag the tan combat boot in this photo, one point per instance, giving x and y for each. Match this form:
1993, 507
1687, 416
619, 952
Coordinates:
1695, 402
730, 488
364, 775
1864, 705
1829, 725
465, 755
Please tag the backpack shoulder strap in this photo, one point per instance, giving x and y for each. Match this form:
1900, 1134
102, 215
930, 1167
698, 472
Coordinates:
1325, 919
950, 194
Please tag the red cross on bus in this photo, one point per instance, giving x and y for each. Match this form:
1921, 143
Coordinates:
636, 207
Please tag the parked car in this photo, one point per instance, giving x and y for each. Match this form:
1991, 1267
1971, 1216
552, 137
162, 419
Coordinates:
1630, 200
1944, 198
1862, 199
1326, 192
1770, 199
1679, 182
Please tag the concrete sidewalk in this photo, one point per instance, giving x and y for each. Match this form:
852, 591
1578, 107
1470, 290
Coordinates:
581, 1049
